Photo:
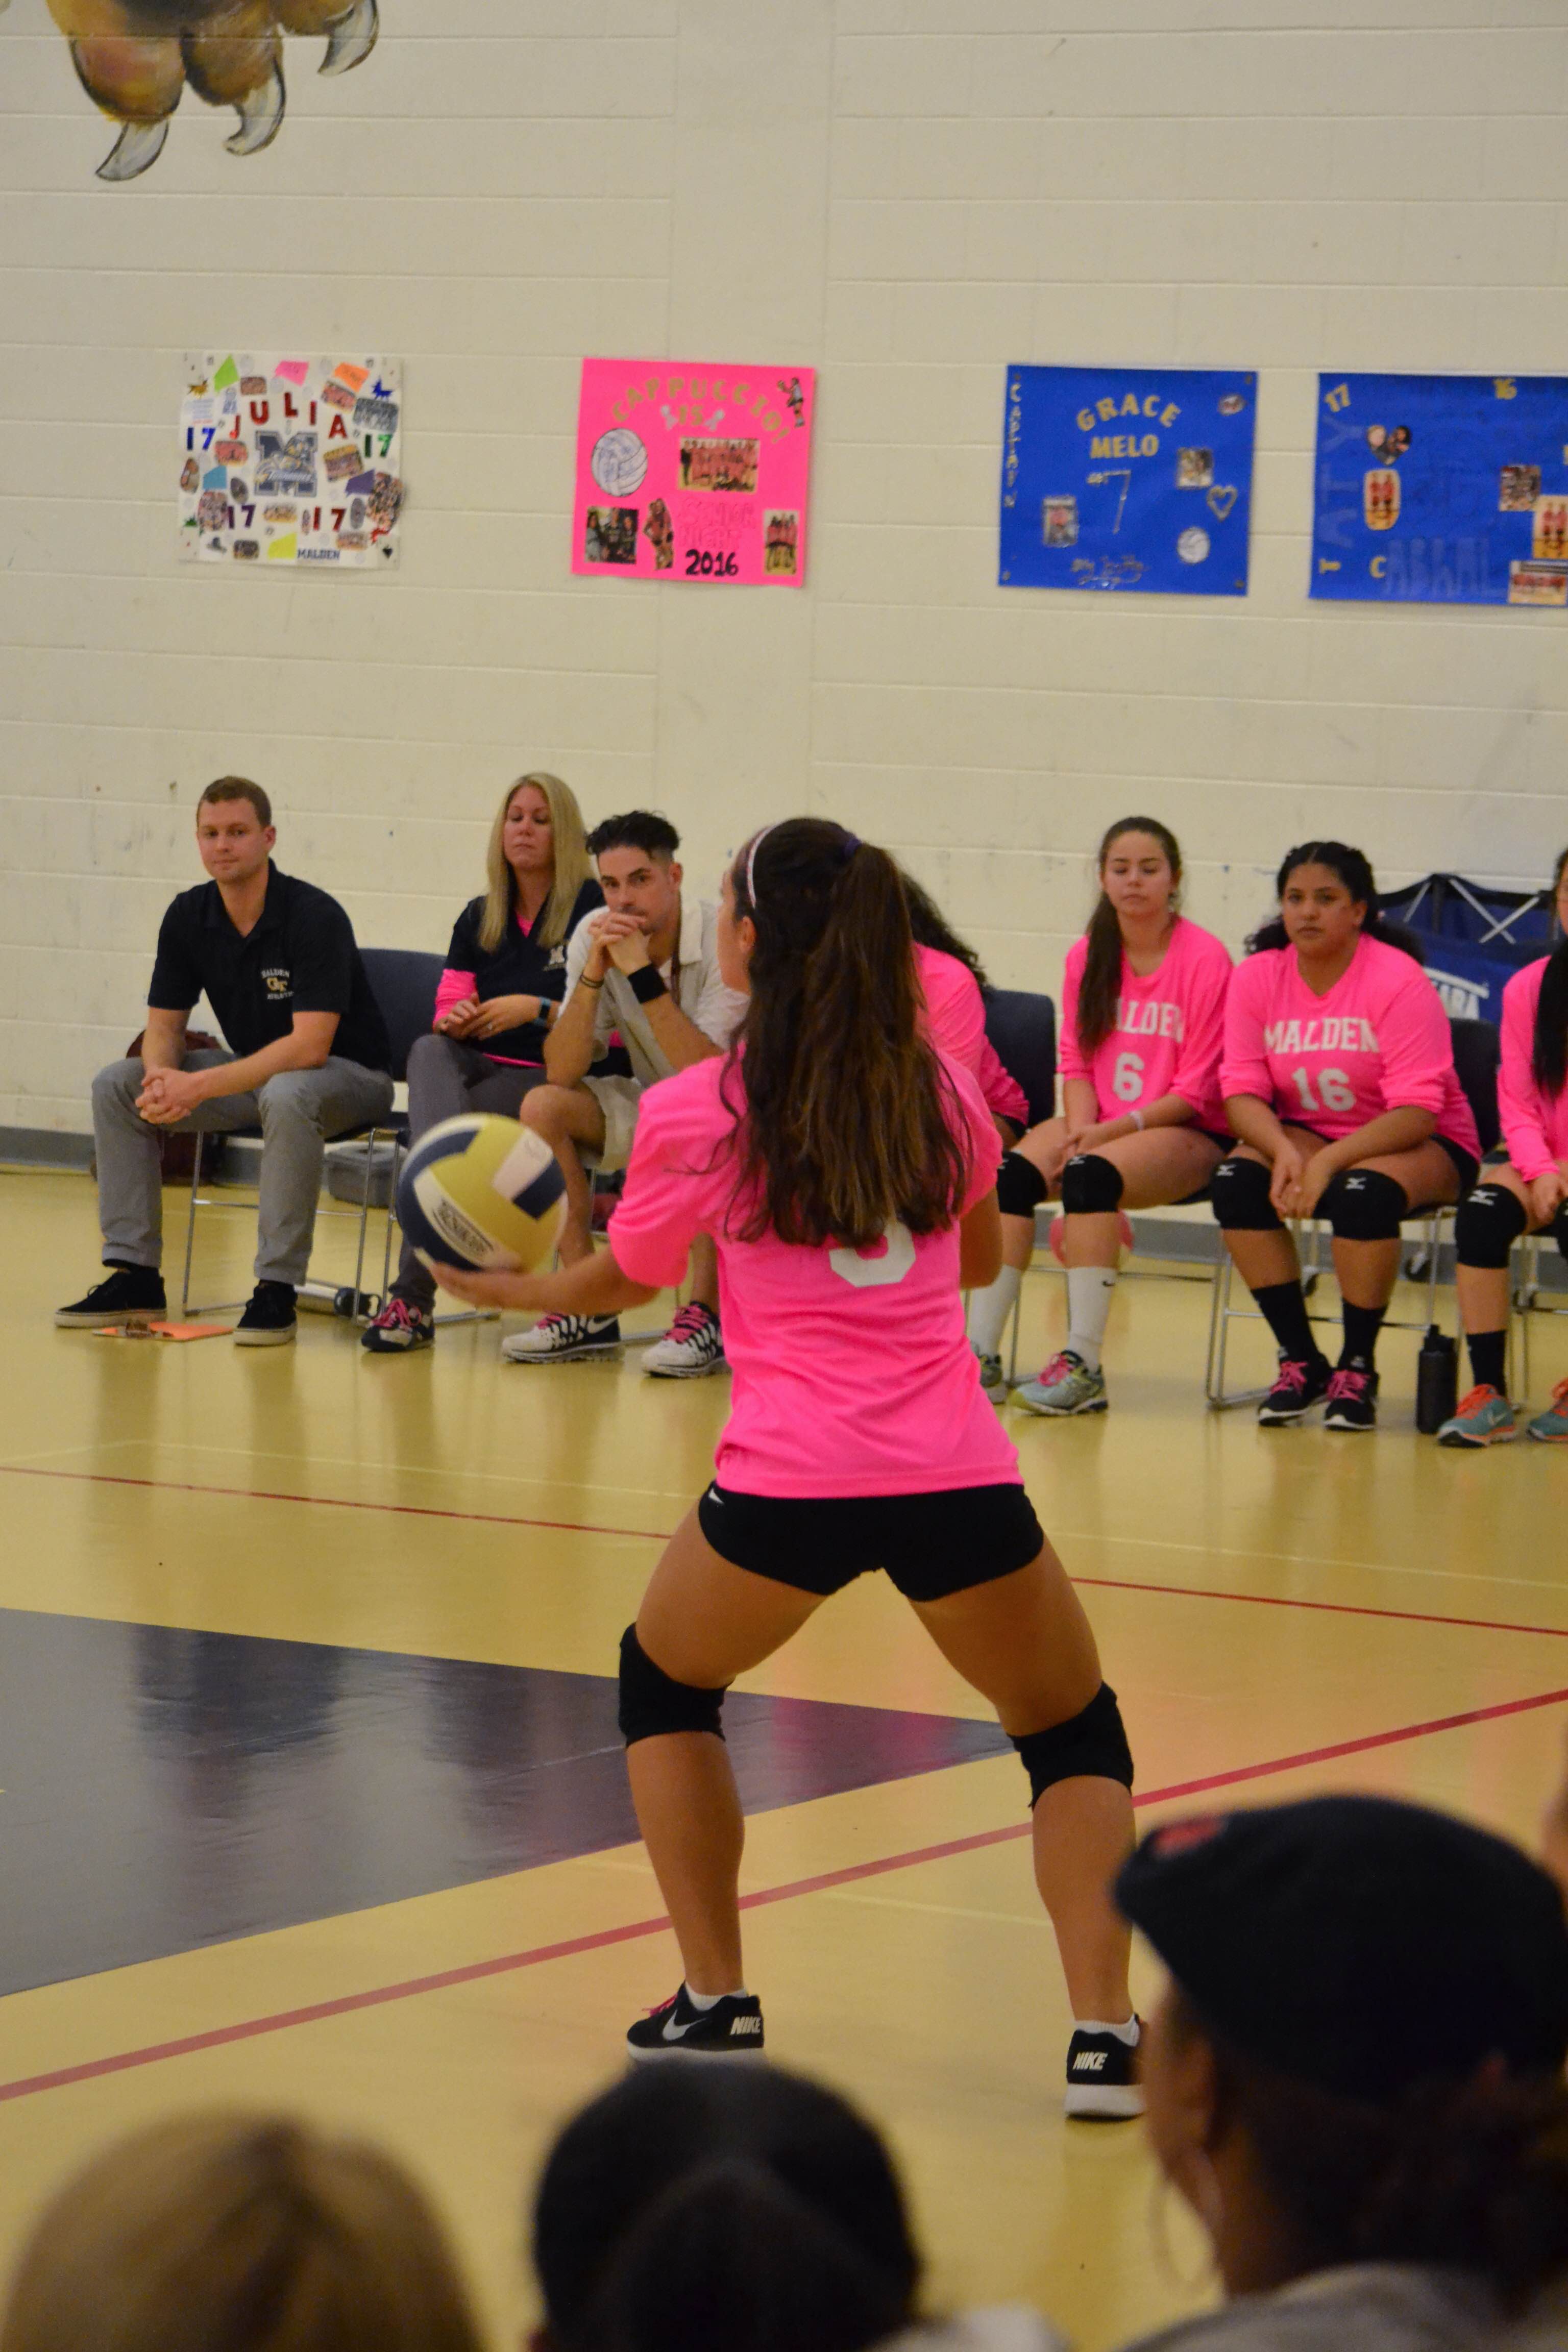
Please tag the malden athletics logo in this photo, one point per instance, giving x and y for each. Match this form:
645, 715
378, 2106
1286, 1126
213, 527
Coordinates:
278, 980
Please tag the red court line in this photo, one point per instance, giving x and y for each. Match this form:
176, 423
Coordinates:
346, 2004
657, 1535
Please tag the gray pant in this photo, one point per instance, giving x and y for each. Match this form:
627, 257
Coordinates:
298, 1112
445, 1076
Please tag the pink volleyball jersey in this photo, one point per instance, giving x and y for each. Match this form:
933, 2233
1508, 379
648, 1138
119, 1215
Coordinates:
852, 1371
1170, 1025
956, 1010
1534, 1126
1379, 1040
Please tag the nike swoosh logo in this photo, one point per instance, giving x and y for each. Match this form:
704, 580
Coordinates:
673, 2032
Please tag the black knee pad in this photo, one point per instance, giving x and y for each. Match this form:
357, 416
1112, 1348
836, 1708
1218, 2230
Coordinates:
1020, 1187
1488, 1224
1363, 1204
1091, 1185
1091, 1746
1239, 1190
652, 1703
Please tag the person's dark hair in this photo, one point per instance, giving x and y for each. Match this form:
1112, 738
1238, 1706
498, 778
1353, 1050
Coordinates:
1103, 961
642, 829
844, 1123
239, 788
1465, 2175
1549, 1059
1352, 868
696, 2205
928, 928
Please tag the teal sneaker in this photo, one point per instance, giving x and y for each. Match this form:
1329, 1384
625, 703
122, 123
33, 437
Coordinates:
1551, 1426
1484, 1418
1066, 1386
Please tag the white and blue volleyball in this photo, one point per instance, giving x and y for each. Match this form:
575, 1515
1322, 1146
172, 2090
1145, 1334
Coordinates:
481, 1192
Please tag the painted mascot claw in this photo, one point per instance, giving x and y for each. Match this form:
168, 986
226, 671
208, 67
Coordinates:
135, 58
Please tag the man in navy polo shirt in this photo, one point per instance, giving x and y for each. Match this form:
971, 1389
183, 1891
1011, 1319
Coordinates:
308, 1059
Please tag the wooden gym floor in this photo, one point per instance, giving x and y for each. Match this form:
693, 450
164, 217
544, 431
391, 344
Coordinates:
310, 1790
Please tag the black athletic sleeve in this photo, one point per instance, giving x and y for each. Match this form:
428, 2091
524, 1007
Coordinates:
175, 984
463, 955
323, 960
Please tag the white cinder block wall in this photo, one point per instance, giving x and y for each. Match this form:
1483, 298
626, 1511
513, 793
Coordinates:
907, 193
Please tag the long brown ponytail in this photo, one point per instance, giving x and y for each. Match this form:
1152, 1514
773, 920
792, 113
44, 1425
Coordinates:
1102, 965
845, 1123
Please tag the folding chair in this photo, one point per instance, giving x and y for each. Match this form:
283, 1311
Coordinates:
1477, 1051
404, 984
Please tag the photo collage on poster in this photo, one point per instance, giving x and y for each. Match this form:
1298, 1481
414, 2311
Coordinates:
289, 460
1442, 490
688, 471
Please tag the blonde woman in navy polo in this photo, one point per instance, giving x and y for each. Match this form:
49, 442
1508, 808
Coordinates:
505, 977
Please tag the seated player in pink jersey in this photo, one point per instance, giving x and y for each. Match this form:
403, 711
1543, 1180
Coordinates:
952, 981
1529, 1196
1142, 1016
846, 1169
1339, 1078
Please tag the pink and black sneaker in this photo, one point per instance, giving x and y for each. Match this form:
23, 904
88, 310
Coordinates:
1299, 1385
1352, 1398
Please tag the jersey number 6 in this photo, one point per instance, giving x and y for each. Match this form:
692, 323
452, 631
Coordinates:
868, 1273
1127, 1078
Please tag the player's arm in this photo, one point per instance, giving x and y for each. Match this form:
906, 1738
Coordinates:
980, 1245
677, 1038
594, 1285
1170, 1110
1391, 1131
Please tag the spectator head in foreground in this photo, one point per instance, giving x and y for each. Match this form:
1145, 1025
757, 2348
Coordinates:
732, 2206
238, 2233
1359, 2059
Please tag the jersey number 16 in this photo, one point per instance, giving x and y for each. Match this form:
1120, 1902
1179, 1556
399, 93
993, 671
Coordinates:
1337, 1092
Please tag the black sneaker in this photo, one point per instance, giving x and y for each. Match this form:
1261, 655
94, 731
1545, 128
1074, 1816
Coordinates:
270, 1320
1102, 2078
732, 2027
131, 1291
1298, 1386
398, 1331
1352, 1398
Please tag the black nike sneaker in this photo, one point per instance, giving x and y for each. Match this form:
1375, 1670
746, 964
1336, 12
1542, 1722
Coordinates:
1102, 2078
1298, 1386
732, 2027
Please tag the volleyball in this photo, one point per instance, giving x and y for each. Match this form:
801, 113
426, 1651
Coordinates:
482, 1192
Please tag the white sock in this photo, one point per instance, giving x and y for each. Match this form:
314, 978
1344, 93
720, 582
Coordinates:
989, 1309
711, 1999
1127, 2033
1089, 1289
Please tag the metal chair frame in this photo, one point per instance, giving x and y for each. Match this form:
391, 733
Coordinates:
1222, 1314
1526, 1306
321, 1294
1126, 1274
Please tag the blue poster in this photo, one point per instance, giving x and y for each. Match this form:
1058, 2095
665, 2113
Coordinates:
1442, 490
1127, 477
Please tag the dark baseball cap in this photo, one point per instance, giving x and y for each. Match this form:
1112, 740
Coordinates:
1358, 1944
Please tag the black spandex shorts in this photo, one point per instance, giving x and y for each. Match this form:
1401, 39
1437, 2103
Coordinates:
931, 1545
1466, 1167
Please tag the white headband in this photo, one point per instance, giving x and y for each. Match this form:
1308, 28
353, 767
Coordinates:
757, 841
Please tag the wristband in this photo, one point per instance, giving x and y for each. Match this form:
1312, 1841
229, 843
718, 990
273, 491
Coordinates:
646, 984
595, 984
1137, 1118
546, 1012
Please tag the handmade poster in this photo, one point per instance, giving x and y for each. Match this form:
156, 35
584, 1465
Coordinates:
692, 471
1442, 490
1125, 479
285, 461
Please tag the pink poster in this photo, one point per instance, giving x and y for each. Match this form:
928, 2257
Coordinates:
688, 471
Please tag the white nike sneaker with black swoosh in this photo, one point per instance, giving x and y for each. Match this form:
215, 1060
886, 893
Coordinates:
731, 2028
1102, 2078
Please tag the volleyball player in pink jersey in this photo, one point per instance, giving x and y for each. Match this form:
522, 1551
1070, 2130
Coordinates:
1529, 1196
1339, 1079
1143, 1020
952, 981
847, 1170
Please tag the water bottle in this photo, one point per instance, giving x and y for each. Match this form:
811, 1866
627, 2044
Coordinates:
1437, 1381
